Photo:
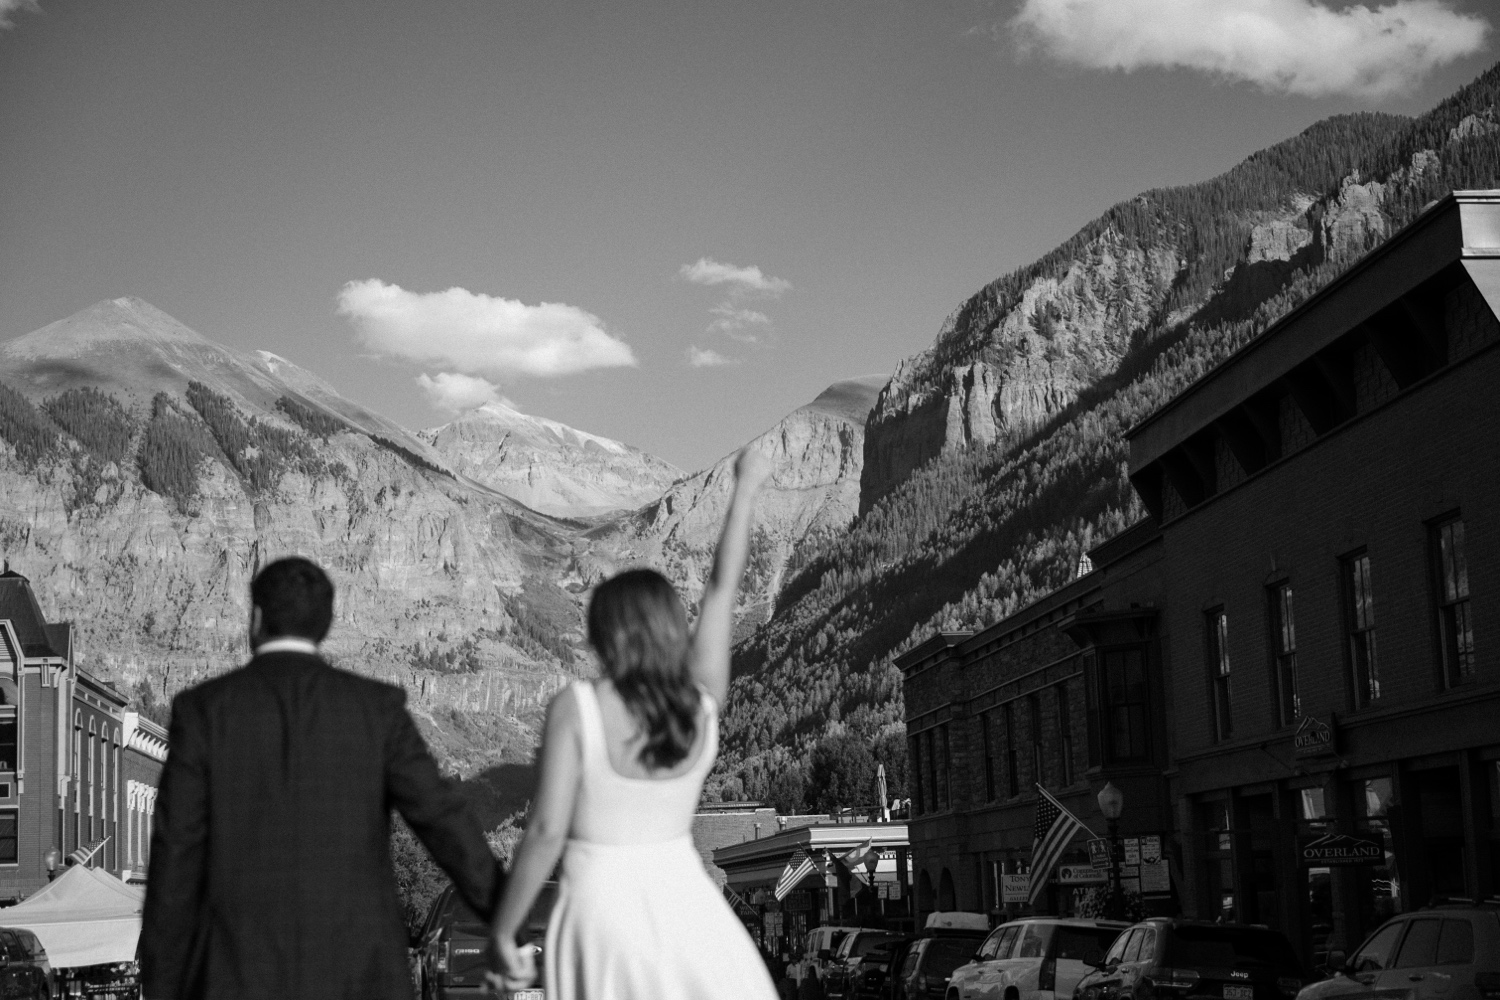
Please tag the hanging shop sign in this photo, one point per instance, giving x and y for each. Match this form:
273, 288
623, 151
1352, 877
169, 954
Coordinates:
1080, 875
1314, 738
1336, 849
1015, 888
1099, 852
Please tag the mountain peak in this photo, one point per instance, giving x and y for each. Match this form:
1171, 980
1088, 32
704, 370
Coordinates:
112, 320
850, 399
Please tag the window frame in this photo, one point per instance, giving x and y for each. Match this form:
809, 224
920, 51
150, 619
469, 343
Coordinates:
1361, 649
1012, 761
1456, 665
14, 815
1065, 734
9, 716
1220, 672
987, 737
1282, 619
1109, 706
1038, 749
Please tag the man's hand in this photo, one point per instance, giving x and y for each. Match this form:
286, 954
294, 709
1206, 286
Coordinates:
513, 966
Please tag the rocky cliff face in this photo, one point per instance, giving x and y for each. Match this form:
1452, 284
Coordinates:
549, 466
442, 584
816, 453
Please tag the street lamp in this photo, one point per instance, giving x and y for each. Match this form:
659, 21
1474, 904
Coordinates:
1112, 804
52, 857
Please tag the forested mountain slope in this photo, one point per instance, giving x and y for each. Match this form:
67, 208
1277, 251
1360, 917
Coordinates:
996, 456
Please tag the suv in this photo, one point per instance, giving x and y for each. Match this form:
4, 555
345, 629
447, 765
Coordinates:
1165, 958
24, 969
872, 976
1451, 950
839, 982
1038, 957
822, 943
928, 962
453, 946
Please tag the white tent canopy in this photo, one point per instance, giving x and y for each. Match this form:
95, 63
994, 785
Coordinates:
83, 917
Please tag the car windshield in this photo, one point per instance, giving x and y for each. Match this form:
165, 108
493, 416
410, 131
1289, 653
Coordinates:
1084, 944
866, 943
1229, 948
945, 955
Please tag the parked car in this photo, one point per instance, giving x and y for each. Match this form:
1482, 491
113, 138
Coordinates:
1163, 957
1445, 952
875, 969
821, 945
929, 960
24, 968
839, 981
1039, 958
453, 946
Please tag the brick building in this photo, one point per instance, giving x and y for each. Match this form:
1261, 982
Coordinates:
78, 772
1310, 602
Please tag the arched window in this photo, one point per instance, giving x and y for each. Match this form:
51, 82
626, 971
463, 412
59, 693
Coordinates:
945, 900
924, 892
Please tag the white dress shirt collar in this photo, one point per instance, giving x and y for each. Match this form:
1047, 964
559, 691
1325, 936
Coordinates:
287, 644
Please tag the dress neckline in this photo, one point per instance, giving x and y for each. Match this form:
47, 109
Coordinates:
595, 722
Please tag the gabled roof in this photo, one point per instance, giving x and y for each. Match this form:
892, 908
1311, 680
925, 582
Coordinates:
18, 604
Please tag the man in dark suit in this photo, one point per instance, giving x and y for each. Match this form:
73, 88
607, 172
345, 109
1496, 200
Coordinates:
270, 870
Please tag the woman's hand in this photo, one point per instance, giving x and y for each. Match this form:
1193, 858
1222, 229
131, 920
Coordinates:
751, 468
514, 966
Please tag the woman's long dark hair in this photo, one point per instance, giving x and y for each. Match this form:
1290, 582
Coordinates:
638, 627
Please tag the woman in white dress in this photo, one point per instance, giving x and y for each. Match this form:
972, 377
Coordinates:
622, 766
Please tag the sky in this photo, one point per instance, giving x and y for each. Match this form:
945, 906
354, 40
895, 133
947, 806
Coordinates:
668, 223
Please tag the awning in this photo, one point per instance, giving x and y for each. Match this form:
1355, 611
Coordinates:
84, 917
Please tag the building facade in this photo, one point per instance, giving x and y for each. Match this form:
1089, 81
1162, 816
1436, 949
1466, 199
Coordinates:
78, 772
1290, 664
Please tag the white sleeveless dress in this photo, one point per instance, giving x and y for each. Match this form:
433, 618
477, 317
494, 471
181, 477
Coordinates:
637, 916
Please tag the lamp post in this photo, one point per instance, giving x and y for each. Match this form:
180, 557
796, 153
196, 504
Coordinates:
1112, 804
52, 858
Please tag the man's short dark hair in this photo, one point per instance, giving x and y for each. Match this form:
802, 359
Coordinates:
295, 597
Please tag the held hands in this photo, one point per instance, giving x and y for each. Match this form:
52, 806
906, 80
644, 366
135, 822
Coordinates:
751, 468
513, 966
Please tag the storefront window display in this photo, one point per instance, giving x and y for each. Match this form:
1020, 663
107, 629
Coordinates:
1380, 894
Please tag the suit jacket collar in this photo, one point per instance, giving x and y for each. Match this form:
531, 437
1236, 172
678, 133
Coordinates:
287, 644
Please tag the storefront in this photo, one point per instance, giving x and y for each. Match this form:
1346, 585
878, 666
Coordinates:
829, 873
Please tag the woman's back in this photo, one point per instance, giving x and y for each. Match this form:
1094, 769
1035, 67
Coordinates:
620, 801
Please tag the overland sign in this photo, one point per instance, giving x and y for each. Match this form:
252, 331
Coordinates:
1338, 849
1313, 738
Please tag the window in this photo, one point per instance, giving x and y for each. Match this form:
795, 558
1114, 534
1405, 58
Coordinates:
1457, 945
1123, 696
1034, 710
1376, 954
932, 783
991, 944
1117, 950
1216, 648
1455, 621
1284, 648
942, 766
9, 844
1133, 946
8, 745
1007, 941
1419, 948
1012, 777
1359, 613
1034, 940
1065, 733
985, 734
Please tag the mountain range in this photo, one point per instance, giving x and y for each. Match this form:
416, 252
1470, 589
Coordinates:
148, 471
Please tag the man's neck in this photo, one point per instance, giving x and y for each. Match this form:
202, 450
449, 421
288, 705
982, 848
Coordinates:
287, 644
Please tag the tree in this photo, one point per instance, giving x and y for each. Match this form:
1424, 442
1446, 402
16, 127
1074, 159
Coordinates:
842, 773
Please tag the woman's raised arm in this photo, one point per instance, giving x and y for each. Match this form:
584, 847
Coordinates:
709, 657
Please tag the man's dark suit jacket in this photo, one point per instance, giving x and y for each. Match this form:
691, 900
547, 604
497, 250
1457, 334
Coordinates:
270, 871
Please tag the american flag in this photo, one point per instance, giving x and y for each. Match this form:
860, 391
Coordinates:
798, 868
1054, 830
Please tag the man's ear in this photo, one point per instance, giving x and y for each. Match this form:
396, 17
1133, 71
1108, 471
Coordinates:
257, 622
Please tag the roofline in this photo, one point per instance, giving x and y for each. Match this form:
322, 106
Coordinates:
1430, 216
817, 837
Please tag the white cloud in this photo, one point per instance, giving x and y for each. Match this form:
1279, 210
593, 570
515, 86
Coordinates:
703, 358
736, 323
480, 334
9, 7
457, 393
744, 279
1300, 47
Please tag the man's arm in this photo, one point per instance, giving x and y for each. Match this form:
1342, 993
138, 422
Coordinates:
178, 859
438, 814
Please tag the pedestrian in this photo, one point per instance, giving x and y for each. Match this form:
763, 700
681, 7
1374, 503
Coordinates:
270, 859
622, 766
